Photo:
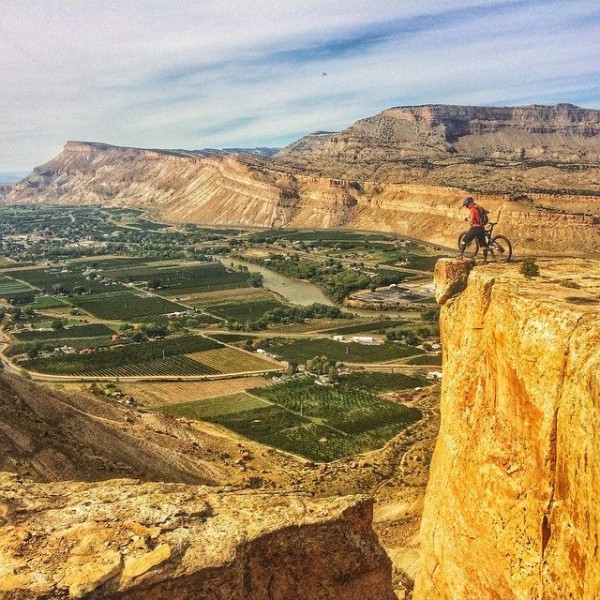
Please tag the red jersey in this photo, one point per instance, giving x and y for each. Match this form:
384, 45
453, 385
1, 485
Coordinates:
474, 216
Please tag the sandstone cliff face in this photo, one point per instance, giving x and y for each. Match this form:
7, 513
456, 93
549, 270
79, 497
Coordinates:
124, 539
511, 508
225, 190
563, 132
180, 186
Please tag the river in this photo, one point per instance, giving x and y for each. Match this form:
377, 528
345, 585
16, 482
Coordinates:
304, 293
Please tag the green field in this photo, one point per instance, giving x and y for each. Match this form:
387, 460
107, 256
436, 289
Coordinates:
364, 327
125, 305
334, 422
243, 310
44, 302
182, 280
379, 382
67, 279
170, 365
425, 360
302, 350
319, 235
78, 331
132, 359
213, 407
10, 288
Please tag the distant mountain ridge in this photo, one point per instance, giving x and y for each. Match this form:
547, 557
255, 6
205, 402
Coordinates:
404, 170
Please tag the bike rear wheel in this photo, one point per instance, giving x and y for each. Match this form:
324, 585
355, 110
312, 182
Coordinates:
500, 249
472, 247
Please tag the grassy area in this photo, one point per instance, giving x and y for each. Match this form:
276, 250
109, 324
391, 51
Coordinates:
302, 350
46, 302
214, 407
9, 288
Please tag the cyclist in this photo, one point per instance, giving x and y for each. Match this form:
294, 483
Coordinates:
476, 231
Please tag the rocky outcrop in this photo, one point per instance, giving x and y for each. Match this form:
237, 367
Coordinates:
511, 510
125, 539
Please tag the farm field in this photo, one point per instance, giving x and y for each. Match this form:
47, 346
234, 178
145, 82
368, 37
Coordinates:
366, 326
216, 296
77, 331
425, 359
319, 423
9, 287
243, 310
125, 305
302, 350
215, 407
164, 357
158, 394
328, 325
48, 302
114, 262
67, 278
230, 360
204, 277
380, 382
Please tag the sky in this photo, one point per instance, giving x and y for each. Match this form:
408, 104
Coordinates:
243, 73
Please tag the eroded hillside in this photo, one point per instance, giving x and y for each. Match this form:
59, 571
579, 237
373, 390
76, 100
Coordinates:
510, 509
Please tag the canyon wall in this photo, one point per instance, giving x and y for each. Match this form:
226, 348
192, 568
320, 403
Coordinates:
126, 539
511, 507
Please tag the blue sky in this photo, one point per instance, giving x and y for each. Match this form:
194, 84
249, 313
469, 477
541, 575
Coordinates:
220, 73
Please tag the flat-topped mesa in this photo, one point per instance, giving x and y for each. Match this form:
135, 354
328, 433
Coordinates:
511, 508
123, 539
563, 133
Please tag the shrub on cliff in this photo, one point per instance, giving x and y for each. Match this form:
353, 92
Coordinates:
529, 268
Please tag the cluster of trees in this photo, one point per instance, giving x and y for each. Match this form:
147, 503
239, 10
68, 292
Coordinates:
290, 314
409, 336
321, 365
336, 280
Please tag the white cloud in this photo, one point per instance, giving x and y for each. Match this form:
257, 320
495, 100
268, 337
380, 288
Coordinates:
204, 73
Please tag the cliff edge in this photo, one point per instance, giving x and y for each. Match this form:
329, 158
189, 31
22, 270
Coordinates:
126, 539
511, 509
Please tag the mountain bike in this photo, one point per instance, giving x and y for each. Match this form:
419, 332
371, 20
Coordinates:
499, 246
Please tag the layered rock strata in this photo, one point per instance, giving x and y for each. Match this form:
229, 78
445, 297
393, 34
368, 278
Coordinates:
510, 509
125, 539
230, 191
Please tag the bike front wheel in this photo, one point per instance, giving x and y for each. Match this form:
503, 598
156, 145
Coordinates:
472, 247
500, 249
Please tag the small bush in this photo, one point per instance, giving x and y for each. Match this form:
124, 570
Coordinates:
529, 268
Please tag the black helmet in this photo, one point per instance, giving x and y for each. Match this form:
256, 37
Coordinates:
468, 201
